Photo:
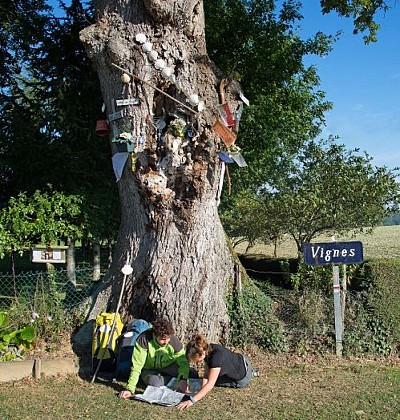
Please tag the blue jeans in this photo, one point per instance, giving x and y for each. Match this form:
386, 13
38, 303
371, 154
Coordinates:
230, 383
161, 377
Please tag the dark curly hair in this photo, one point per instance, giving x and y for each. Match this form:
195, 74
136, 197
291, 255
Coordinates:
163, 328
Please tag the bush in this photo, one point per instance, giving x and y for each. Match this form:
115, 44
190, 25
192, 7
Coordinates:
14, 341
364, 332
384, 292
374, 311
252, 320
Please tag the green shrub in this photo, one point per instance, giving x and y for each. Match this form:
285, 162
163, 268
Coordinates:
384, 292
365, 333
14, 340
43, 309
252, 320
374, 310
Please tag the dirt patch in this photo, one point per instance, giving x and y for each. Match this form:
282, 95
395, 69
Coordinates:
61, 350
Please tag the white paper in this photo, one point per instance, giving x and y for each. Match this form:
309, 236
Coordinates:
160, 396
244, 99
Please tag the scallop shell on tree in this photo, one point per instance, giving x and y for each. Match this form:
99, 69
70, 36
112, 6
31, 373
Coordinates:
141, 38
147, 46
152, 55
193, 99
159, 64
166, 72
125, 78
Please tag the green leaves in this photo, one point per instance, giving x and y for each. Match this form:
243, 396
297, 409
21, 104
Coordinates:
362, 12
325, 189
13, 342
330, 190
46, 217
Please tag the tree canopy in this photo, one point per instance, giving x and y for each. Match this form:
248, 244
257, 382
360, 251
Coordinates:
51, 100
328, 190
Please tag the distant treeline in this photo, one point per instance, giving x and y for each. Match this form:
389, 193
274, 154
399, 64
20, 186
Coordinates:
392, 220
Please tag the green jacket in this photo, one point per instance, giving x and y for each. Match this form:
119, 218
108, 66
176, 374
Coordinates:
148, 354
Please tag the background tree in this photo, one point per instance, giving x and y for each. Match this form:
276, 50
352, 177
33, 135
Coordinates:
52, 100
252, 219
330, 190
258, 43
45, 217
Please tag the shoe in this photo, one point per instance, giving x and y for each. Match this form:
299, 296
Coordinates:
256, 373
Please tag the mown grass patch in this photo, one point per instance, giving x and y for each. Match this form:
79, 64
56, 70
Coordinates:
328, 389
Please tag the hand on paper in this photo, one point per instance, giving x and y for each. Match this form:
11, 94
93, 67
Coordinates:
125, 394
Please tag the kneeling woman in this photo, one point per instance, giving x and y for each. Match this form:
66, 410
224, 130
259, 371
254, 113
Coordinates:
223, 367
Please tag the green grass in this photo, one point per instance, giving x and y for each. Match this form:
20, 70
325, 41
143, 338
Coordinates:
384, 242
291, 390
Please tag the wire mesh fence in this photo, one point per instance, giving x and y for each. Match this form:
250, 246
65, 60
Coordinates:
307, 316
54, 284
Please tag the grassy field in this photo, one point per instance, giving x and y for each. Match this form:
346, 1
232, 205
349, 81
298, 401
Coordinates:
384, 242
286, 389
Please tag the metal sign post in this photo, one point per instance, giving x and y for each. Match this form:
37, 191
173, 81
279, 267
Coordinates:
338, 311
334, 253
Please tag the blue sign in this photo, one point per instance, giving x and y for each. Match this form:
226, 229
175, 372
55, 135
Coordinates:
326, 253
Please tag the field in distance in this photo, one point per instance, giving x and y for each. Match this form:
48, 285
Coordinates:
384, 242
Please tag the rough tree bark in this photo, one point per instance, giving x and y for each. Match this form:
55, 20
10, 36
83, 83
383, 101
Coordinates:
170, 231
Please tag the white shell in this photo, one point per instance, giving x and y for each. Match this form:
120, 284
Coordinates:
125, 78
166, 72
152, 55
194, 100
159, 64
141, 38
147, 46
172, 78
127, 269
200, 106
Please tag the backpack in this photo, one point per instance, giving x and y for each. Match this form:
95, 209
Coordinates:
103, 348
126, 343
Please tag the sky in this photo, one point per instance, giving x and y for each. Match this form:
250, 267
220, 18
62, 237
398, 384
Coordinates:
363, 82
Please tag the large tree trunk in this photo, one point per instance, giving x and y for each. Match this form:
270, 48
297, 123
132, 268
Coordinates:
170, 231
